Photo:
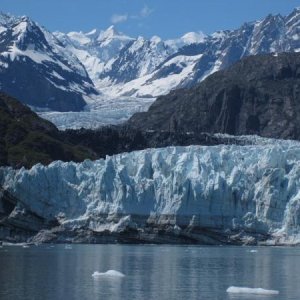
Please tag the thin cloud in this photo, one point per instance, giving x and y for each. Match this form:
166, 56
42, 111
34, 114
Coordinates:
146, 11
119, 18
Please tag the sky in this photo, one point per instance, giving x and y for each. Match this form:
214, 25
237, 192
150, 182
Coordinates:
165, 18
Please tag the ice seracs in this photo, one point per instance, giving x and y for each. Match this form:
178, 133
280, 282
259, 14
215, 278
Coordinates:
246, 192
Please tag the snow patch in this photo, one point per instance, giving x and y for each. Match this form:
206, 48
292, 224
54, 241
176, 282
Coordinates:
2, 29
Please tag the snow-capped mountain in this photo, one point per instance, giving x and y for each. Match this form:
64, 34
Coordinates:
95, 49
149, 68
122, 68
193, 63
112, 58
219, 194
36, 68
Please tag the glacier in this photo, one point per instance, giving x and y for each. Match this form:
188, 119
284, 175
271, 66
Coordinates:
200, 194
103, 111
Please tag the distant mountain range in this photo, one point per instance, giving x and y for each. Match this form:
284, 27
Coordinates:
124, 66
63, 72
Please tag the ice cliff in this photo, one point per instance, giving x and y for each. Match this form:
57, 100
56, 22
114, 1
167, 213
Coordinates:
225, 193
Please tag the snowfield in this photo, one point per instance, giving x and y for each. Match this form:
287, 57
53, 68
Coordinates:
252, 189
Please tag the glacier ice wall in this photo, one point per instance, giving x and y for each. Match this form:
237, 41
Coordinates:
227, 187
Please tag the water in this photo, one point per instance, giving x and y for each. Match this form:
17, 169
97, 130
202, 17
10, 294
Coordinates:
152, 272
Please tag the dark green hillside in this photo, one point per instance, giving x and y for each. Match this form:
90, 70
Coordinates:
26, 139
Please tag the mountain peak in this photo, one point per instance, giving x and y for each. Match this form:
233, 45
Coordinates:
93, 32
193, 37
297, 9
109, 33
156, 39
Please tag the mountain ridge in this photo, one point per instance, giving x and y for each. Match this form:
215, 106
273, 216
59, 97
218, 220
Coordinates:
84, 71
275, 33
35, 67
257, 95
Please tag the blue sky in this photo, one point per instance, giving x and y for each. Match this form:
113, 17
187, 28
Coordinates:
166, 18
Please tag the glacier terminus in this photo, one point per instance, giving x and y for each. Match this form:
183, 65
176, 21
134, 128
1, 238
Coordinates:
225, 194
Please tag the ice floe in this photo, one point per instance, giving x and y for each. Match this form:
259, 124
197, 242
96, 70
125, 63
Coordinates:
247, 290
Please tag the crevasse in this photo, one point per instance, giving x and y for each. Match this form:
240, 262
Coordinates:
255, 188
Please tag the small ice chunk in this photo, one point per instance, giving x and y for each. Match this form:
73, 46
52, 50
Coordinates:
253, 251
254, 291
68, 247
109, 273
25, 246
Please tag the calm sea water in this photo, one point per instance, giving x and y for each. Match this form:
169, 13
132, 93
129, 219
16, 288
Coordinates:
152, 272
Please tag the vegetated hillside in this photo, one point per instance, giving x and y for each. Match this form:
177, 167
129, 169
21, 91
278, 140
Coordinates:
26, 139
258, 95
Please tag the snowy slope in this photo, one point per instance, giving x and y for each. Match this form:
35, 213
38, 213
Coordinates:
146, 68
36, 68
218, 51
251, 189
95, 49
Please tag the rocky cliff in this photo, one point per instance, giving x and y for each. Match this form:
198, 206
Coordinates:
258, 95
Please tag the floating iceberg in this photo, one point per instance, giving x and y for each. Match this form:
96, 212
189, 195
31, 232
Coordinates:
254, 291
109, 273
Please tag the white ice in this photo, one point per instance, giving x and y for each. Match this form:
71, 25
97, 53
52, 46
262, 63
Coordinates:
254, 291
254, 187
109, 273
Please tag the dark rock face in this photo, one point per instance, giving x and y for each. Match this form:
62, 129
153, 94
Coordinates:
258, 95
118, 139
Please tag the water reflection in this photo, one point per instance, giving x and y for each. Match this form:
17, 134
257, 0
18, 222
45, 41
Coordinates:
152, 272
